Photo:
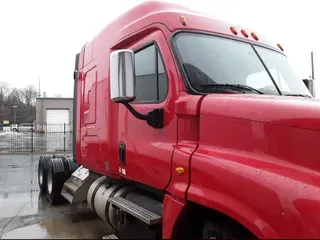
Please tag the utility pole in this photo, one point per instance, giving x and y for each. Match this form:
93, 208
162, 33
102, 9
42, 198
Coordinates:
312, 66
14, 114
312, 75
39, 88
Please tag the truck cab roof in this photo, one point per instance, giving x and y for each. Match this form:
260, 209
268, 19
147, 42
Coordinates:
171, 16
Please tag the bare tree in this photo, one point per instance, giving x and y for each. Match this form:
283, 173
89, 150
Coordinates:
58, 96
22, 98
29, 94
14, 97
4, 90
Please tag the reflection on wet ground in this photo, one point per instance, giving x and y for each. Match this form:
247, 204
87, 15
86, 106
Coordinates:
25, 213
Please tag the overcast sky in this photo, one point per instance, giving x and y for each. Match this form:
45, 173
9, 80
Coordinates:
39, 38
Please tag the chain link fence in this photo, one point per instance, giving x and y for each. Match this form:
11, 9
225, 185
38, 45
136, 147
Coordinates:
36, 138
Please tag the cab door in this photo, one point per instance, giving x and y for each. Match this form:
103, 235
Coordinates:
90, 143
145, 153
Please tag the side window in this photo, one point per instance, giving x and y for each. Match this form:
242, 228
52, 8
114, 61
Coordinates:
151, 78
89, 95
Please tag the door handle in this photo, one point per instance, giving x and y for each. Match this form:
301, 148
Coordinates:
88, 97
122, 153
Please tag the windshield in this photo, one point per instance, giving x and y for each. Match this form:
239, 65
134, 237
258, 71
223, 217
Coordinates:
211, 60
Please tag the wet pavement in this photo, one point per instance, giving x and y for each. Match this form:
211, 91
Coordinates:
25, 213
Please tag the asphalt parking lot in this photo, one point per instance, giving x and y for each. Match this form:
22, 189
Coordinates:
25, 213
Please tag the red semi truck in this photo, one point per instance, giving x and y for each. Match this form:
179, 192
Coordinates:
189, 127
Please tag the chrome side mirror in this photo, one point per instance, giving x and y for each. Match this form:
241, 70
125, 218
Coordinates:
122, 76
123, 87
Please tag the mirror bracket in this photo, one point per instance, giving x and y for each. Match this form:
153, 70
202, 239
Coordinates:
154, 118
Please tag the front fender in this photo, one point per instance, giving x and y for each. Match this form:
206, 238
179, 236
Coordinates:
234, 188
172, 210
232, 208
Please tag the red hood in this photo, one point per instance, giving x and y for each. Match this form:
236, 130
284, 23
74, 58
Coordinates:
287, 111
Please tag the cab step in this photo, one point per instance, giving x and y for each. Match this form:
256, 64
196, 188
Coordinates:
112, 236
68, 196
72, 187
135, 210
76, 187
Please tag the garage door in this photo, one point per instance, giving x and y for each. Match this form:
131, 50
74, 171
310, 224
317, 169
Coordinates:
57, 119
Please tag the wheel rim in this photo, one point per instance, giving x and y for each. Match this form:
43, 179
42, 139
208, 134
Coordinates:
49, 182
212, 234
41, 175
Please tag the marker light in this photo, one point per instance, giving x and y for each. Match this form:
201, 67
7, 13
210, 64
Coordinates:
279, 46
183, 20
254, 36
233, 30
179, 170
244, 33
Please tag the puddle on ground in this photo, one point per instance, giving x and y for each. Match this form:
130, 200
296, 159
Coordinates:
26, 213
35, 203
73, 226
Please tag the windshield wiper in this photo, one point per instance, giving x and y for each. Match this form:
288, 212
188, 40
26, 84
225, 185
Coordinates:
234, 86
297, 95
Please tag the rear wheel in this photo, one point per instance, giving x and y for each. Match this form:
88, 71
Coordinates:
56, 176
71, 165
42, 172
58, 155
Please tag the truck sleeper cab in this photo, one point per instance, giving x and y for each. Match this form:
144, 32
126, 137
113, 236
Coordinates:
188, 127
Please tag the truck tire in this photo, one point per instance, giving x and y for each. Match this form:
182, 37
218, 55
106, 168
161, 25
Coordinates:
58, 155
56, 176
223, 230
69, 165
42, 172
